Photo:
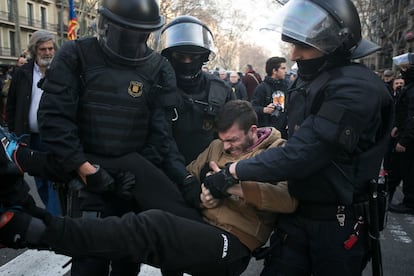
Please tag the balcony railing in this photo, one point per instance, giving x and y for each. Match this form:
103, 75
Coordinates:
6, 52
38, 24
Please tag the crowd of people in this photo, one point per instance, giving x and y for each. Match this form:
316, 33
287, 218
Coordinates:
398, 161
192, 171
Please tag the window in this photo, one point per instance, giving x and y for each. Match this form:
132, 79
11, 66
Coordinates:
12, 43
43, 17
10, 10
30, 14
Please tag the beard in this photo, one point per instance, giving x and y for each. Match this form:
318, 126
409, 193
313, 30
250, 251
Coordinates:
241, 148
44, 61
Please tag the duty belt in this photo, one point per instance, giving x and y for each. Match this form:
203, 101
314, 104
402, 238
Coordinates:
332, 212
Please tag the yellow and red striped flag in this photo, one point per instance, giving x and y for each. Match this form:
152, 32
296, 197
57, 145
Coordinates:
73, 22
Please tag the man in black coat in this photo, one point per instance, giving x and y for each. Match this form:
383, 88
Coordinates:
269, 96
23, 102
403, 132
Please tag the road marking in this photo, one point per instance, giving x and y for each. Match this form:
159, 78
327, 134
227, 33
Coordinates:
397, 231
41, 263
36, 263
409, 219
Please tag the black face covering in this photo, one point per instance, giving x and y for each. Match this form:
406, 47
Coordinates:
310, 68
187, 72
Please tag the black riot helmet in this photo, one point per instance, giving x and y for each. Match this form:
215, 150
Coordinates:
188, 44
124, 27
327, 25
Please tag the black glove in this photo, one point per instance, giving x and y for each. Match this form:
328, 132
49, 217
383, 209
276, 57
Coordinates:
125, 183
100, 181
191, 190
219, 182
14, 228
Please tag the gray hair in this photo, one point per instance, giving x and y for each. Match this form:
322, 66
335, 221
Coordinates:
37, 38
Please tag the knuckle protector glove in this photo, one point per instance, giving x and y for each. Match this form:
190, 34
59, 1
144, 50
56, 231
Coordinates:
219, 182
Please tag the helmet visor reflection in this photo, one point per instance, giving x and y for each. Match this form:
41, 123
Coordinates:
126, 43
187, 34
308, 23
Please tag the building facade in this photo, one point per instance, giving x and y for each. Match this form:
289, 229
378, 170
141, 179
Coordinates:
20, 18
390, 23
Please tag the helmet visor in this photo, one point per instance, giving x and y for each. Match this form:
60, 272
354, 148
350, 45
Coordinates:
126, 43
308, 23
187, 34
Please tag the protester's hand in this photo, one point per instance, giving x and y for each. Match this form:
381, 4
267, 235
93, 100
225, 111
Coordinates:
100, 181
207, 199
191, 190
220, 181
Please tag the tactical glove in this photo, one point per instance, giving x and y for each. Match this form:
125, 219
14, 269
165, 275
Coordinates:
100, 181
219, 182
191, 190
125, 183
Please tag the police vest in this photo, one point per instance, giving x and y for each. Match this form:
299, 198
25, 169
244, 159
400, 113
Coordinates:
193, 117
346, 179
113, 110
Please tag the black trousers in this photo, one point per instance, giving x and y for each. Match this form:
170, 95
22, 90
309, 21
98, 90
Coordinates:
153, 190
154, 237
304, 247
407, 167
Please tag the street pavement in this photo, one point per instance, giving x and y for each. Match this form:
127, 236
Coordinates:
396, 243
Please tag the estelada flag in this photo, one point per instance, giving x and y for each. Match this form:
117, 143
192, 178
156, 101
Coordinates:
73, 21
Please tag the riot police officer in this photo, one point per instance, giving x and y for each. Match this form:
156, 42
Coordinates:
100, 104
337, 123
188, 44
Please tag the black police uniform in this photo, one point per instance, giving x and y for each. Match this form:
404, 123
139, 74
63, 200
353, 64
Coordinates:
333, 127
96, 110
193, 118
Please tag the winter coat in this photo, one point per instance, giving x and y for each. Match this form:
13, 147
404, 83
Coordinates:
251, 218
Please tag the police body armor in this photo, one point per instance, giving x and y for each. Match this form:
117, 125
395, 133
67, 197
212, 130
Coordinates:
346, 179
193, 118
114, 106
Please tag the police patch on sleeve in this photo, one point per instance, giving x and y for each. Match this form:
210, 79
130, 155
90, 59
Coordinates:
135, 89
